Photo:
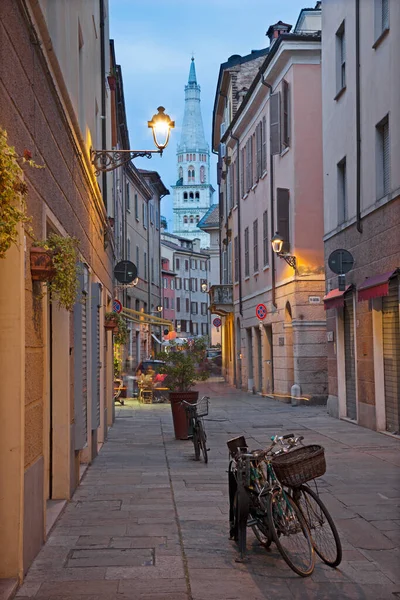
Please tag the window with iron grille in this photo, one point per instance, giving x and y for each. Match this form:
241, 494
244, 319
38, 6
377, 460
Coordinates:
255, 246
340, 58
236, 258
265, 239
246, 253
382, 158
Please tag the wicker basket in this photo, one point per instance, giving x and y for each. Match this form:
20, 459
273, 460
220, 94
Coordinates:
235, 444
300, 465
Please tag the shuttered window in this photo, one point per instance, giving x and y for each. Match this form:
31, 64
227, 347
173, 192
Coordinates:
283, 217
178, 305
137, 259
96, 364
342, 191
381, 17
285, 115
255, 246
274, 123
382, 158
246, 253
340, 58
264, 145
265, 239
81, 361
236, 257
242, 171
258, 151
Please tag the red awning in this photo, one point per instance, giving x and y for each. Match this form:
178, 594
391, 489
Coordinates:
376, 286
335, 298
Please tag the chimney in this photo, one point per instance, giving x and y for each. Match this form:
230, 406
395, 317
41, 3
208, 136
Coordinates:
276, 30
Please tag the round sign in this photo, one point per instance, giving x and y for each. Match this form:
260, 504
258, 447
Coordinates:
340, 261
261, 311
217, 322
125, 271
117, 306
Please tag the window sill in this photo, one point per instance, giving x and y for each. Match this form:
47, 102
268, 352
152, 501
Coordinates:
245, 196
247, 278
236, 283
285, 151
264, 174
137, 219
266, 268
253, 187
256, 273
380, 38
340, 93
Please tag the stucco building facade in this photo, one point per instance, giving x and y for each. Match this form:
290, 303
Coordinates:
268, 134
55, 365
361, 133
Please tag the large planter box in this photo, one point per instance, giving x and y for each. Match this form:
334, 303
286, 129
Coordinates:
42, 268
179, 414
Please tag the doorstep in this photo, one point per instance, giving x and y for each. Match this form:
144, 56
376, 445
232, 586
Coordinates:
8, 587
53, 510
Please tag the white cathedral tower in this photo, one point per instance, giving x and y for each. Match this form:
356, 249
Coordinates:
192, 195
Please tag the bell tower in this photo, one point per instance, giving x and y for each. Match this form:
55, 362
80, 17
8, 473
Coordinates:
192, 193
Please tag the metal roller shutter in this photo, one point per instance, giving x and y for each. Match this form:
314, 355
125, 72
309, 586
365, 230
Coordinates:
349, 359
391, 356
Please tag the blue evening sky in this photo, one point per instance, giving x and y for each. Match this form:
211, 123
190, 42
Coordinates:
154, 41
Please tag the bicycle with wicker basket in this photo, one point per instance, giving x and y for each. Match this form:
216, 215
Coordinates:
295, 466
195, 413
258, 500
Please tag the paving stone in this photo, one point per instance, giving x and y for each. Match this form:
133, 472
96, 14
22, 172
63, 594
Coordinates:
109, 557
100, 589
362, 534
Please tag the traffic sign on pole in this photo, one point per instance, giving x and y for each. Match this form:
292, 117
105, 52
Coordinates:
217, 322
261, 311
117, 306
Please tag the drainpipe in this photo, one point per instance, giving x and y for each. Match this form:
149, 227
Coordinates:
239, 222
219, 227
271, 181
358, 121
103, 99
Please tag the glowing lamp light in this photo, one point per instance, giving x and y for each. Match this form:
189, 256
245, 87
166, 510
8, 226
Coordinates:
161, 126
277, 243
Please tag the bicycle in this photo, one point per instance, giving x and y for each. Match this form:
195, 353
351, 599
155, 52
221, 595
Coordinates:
324, 534
195, 414
255, 492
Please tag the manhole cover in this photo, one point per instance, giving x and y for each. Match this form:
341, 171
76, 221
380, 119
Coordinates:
110, 557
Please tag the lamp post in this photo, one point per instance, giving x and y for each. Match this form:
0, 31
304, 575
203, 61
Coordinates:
108, 160
277, 245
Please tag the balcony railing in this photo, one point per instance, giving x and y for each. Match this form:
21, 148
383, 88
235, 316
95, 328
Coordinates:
221, 299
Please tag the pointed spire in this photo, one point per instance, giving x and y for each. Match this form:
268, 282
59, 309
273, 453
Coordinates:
192, 73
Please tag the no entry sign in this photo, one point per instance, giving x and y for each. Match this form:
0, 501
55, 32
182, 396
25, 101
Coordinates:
261, 311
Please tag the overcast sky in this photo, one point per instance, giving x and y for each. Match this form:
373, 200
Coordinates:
154, 41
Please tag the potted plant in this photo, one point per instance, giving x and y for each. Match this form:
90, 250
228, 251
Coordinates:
55, 261
185, 365
13, 191
111, 320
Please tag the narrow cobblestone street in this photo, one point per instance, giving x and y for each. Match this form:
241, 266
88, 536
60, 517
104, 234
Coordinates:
149, 522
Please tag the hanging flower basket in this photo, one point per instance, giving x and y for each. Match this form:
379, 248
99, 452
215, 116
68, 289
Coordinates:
42, 266
111, 321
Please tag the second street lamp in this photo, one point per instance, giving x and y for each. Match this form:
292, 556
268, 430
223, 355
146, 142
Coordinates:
108, 160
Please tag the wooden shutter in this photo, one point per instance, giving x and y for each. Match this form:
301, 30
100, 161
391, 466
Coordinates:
391, 356
349, 358
96, 363
285, 114
246, 253
283, 217
236, 257
274, 122
265, 238
386, 157
385, 14
80, 363
264, 145
255, 245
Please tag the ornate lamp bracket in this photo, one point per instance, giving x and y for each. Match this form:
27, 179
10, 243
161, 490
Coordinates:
289, 258
108, 160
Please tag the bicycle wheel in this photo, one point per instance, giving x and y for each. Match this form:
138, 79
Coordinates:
320, 523
203, 441
196, 441
290, 533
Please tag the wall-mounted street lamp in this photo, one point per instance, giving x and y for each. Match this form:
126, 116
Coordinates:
108, 160
204, 287
277, 244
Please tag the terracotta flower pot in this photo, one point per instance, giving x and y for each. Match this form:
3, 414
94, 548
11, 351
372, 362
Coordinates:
179, 414
42, 268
